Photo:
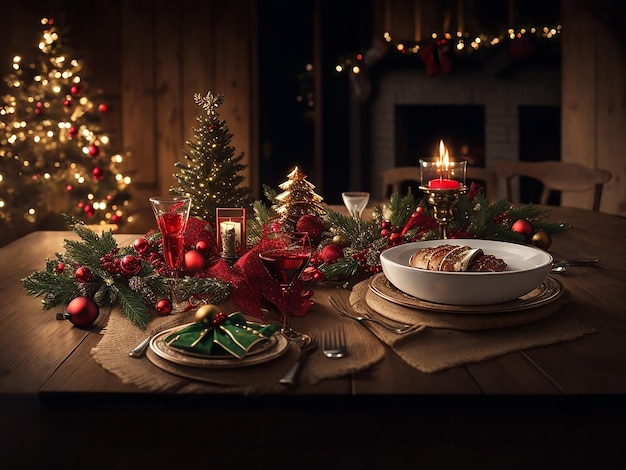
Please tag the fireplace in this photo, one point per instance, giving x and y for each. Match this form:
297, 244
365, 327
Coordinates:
479, 116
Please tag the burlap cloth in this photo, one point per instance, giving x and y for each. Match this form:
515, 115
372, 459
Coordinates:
444, 340
120, 336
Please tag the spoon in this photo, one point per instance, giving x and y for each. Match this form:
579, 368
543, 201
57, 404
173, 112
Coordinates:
561, 266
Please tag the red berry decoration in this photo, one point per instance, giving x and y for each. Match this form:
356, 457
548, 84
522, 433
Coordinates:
83, 274
395, 239
194, 261
81, 311
331, 253
164, 307
60, 268
141, 245
312, 225
524, 228
130, 265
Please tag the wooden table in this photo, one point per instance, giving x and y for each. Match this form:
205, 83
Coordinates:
48, 379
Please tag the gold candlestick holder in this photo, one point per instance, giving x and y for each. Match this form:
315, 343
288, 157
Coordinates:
443, 202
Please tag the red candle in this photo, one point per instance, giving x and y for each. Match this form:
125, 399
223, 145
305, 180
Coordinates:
443, 183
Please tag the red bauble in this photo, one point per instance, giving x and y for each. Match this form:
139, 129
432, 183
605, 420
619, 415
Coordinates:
93, 150
395, 239
76, 90
130, 265
141, 245
103, 108
331, 253
194, 261
98, 173
202, 246
67, 103
311, 224
72, 131
83, 274
89, 210
164, 306
524, 228
60, 268
81, 311
116, 218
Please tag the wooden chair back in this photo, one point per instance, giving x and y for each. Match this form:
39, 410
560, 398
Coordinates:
395, 177
555, 176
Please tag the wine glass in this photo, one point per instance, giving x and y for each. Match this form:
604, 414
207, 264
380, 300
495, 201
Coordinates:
355, 202
285, 255
171, 214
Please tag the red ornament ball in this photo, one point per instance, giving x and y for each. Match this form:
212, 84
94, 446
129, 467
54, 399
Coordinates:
82, 312
524, 228
83, 274
76, 90
331, 253
60, 268
194, 261
103, 108
141, 245
98, 173
89, 210
67, 103
93, 150
202, 246
72, 131
116, 218
164, 307
130, 265
311, 224
395, 239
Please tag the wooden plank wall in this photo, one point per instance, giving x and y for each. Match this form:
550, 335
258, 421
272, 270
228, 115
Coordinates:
593, 103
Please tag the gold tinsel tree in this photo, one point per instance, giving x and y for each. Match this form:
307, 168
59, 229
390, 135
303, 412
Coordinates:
298, 198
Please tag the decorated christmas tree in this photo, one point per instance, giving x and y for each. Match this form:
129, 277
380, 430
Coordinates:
211, 174
298, 198
54, 155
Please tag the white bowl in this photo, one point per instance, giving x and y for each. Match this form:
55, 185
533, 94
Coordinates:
527, 267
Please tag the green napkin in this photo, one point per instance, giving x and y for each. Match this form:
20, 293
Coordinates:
233, 336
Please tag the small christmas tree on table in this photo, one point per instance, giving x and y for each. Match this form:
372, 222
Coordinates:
298, 198
211, 176
51, 144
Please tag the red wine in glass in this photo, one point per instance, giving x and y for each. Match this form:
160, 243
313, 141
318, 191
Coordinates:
171, 215
285, 255
284, 266
171, 227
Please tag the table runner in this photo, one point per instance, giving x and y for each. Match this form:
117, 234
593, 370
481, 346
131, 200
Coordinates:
120, 336
439, 343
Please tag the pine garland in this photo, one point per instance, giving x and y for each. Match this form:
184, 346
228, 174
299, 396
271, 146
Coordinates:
135, 294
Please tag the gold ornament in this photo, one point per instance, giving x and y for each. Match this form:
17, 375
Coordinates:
206, 313
542, 239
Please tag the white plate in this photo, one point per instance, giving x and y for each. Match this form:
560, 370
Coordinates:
527, 267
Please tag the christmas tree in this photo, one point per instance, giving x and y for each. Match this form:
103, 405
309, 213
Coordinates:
298, 198
211, 176
53, 153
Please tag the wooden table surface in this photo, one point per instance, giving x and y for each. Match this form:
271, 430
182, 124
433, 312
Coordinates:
46, 367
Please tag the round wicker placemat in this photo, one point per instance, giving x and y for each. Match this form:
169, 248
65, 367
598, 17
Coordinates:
386, 300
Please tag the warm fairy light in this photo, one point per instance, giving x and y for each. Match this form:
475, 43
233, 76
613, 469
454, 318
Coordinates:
338, 68
356, 69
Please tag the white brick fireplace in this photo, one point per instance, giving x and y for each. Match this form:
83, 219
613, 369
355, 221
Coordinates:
500, 97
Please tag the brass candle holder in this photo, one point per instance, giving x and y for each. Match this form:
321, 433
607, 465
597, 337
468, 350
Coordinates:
443, 202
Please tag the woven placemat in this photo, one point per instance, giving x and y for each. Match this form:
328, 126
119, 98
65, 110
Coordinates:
444, 340
154, 374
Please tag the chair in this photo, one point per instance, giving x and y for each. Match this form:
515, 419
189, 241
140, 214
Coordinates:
394, 177
555, 176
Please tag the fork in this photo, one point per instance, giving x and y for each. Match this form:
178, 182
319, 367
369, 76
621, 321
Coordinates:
334, 344
343, 311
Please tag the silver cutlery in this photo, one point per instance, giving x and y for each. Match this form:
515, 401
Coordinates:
561, 266
334, 344
343, 311
140, 349
305, 351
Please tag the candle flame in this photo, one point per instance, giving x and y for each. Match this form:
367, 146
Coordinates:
444, 156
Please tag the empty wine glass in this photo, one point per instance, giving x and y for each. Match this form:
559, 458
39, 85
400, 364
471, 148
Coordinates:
171, 214
355, 202
285, 255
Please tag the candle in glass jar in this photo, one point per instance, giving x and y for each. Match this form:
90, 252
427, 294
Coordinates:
443, 181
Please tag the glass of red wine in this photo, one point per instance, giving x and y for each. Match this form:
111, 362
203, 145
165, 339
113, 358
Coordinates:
285, 255
171, 214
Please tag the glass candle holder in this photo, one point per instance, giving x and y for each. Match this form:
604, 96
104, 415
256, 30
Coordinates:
437, 173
